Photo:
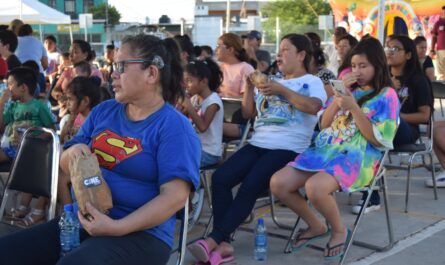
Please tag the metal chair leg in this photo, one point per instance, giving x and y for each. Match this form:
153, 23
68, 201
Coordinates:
408, 182
433, 175
274, 216
388, 223
288, 247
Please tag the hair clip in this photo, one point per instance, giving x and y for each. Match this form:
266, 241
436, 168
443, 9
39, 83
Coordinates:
158, 62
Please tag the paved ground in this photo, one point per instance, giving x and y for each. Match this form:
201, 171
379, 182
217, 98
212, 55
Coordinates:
419, 234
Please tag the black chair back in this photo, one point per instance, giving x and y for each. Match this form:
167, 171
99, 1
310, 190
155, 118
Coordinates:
31, 171
438, 89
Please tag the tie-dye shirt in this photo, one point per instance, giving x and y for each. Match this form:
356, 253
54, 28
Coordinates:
343, 152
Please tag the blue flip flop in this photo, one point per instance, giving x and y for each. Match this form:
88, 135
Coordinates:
309, 240
329, 248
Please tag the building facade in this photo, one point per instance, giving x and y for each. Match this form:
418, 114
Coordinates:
95, 34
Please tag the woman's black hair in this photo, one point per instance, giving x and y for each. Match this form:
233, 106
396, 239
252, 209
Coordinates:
25, 30
419, 39
206, 69
315, 38
185, 44
32, 65
302, 43
85, 47
319, 56
351, 40
373, 50
164, 54
82, 87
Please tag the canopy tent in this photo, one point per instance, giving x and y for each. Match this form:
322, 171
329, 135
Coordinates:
31, 12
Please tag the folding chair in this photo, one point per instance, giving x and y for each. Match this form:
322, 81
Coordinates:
439, 92
183, 216
232, 107
379, 177
414, 150
35, 169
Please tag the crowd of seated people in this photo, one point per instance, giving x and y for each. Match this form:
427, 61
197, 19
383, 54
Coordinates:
165, 96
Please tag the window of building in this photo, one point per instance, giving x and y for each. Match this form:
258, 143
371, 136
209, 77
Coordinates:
52, 3
70, 6
87, 4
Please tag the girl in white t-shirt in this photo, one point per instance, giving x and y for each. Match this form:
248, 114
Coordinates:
205, 107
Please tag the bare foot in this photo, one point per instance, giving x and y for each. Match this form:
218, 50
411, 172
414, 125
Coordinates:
336, 243
309, 233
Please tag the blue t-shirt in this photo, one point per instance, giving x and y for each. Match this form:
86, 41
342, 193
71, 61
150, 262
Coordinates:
30, 48
137, 157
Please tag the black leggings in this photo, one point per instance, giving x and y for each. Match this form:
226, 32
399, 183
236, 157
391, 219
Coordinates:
40, 245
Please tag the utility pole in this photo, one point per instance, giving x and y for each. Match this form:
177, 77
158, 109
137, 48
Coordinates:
228, 16
107, 30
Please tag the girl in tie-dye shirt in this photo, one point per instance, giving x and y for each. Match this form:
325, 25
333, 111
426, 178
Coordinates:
355, 129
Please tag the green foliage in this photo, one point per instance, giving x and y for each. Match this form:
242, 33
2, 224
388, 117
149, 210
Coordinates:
294, 15
99, 13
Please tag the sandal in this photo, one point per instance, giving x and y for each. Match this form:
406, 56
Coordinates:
308, 240
16, 214
343, 245
36, 216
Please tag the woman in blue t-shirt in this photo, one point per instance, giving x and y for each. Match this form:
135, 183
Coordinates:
149, 156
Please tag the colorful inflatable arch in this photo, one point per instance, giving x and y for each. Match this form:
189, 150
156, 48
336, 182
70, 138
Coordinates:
413, 17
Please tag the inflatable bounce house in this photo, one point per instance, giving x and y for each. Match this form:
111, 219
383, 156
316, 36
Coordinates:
409, 17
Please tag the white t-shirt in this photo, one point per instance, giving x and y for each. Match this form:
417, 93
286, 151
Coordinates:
279, 125
211, 139
30, 48
53, 61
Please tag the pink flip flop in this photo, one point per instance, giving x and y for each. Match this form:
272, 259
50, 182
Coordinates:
216, 259
200, 250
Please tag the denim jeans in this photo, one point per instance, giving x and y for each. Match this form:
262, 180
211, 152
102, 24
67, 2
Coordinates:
208, 159
252, 167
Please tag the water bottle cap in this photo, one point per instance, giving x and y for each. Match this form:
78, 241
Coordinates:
68, 207
261, 221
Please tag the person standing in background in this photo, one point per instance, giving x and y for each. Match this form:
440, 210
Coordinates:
53, 55
331, 50
30, 48
252, 42
438, 45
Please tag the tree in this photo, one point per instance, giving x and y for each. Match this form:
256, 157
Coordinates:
99, 13
296, 16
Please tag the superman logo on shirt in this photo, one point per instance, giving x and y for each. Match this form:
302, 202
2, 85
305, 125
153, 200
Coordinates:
111, 148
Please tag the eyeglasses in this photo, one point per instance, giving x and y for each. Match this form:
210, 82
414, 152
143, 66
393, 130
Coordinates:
393, 49
157, 61
220, 46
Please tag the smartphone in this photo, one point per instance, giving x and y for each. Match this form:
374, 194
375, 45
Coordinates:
338, 86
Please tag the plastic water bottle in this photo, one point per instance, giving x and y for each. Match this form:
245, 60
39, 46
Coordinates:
260, 249
69, 231
76, 236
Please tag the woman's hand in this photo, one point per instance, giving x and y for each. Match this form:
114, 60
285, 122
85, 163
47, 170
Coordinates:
350, 79
98, 224
396, 83
79, 150
271, 88
345, 101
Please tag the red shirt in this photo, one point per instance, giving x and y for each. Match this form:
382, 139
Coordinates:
439, 31
3, 68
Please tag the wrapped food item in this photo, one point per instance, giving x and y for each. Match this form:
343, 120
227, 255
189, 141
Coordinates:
89, 185
258, 78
